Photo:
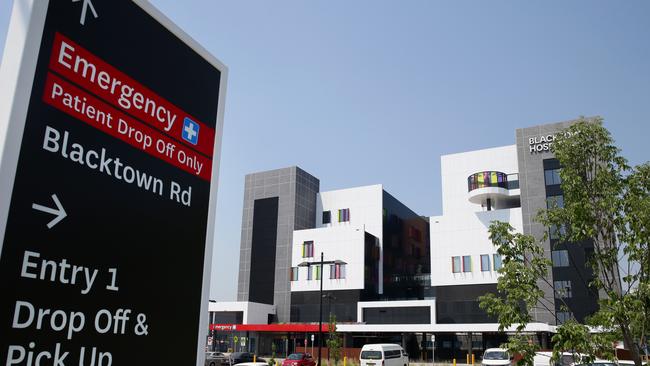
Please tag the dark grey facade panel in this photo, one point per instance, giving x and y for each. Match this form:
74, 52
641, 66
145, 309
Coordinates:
227, 317
397, 315
534, 156
460, 304
263, 248
406, 257
343, 303
296, 192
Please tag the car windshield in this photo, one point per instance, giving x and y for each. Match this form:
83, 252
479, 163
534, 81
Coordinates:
295, 356
495, 355
371, 355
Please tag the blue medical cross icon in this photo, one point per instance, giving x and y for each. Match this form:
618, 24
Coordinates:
190, 131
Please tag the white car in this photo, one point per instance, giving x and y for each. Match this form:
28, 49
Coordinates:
496, 357
383, 354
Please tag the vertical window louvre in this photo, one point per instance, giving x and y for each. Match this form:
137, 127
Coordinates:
294, 273
344, 215
467, 263
308, 249
318, 271
496, 260
455, 264
485, 263
310, 271
337, 271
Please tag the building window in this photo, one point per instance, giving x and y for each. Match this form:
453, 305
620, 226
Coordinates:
485, 263
552, 177
560, 258
344, 215
563, 316
496, 260
557, 232
294, 273
554, 202
562, 289
415, 234
310, 273
337, 271
308, 249
317, 270
327, 217
455, 264
467, 263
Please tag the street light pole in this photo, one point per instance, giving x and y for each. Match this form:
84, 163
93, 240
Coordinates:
320, 295
320, 309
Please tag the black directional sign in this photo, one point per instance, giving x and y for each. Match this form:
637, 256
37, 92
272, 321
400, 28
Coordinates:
110, 152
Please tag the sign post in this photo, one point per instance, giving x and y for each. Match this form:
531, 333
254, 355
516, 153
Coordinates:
110, 137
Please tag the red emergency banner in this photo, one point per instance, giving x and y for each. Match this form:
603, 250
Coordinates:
84, 107
100, 78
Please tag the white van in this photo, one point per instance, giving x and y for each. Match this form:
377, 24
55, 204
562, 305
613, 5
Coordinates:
496, 357
383, 354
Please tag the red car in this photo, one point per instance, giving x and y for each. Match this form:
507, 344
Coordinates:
299, 359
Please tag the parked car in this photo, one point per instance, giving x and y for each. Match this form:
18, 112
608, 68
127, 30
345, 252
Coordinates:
496, 357
216, 359
544, 359
383, 354
242, 357
299, 359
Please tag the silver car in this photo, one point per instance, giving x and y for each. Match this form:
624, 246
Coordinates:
216, 359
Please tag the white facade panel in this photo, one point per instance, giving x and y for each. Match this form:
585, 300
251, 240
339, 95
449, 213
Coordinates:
342, 240
343, 243
462, 230
253, 312
466, 235
455, 169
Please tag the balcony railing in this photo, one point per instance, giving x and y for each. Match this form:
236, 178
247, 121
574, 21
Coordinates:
487, 179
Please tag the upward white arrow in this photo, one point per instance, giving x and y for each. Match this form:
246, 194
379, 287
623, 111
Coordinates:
59, 211
87, 4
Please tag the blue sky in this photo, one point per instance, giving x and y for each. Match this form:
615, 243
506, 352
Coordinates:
365, 92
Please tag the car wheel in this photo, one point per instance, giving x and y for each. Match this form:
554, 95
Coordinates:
212, 364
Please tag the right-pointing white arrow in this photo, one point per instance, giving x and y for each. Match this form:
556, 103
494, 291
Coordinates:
59, 211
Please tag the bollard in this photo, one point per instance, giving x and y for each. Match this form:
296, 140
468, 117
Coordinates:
467, 358
345, 360
454, 362
254, 358
472, 358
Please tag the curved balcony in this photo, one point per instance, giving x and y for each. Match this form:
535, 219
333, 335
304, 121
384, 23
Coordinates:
487, 185
487, 179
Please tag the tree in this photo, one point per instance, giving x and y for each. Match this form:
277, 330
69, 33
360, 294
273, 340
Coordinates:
273, 350
334, 342
523, 263
607, 203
